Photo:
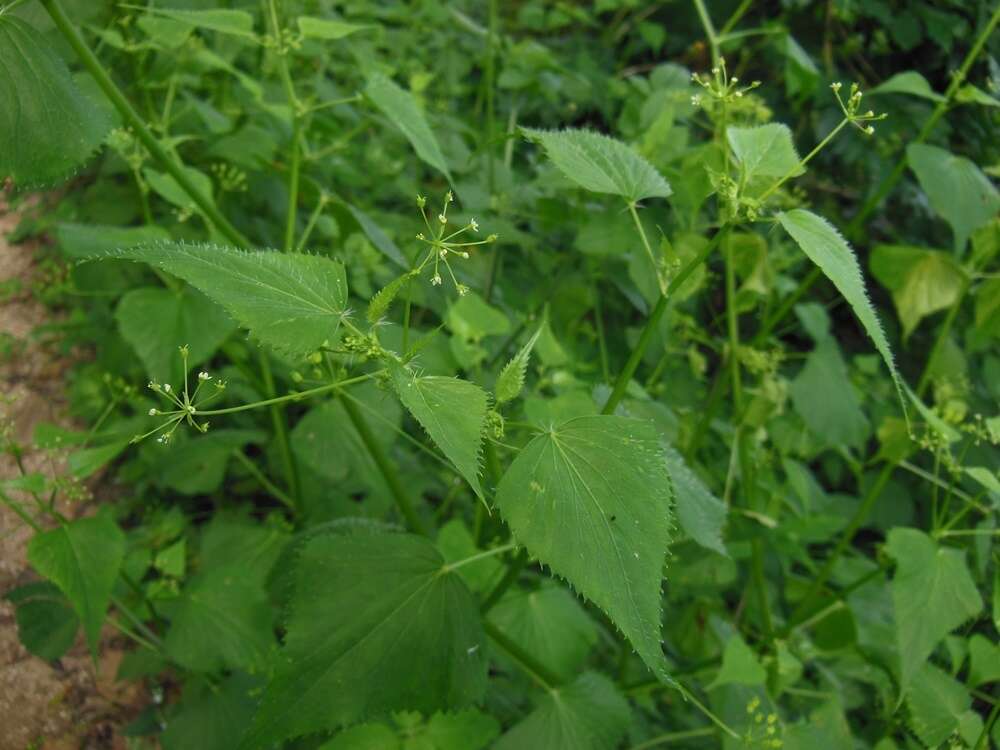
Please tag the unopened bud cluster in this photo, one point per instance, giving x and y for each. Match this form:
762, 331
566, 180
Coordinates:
445, 247
861, 120
719, 86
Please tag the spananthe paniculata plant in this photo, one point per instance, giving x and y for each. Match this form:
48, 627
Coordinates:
560, 456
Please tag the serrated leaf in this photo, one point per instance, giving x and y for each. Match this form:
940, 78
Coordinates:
327, 29
932, 593
591, 499
908, 82
48, 126
379, 304
413, 639
550, 624
289, 301
83, 559
402, 110
765, 151
922, 281
700, 513
510, 381
156, 321
601, 164
46, 622
221, 620
956, 188
588, 714
453, 411
827, 249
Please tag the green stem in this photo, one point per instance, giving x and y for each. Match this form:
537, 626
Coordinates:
534, 668
663, 739
797, 169
388, 471
649, 249
171, 164
984, 737
21, 512
266, 483
293, 185
478, 556
621, 384
298, 396
706, 22
514, 569
280, 428
490, 83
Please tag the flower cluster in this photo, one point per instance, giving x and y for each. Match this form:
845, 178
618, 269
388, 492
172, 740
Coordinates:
444, 246
852, 105
720, 86
184, 404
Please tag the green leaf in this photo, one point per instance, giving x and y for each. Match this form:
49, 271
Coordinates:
82, 558
289, 301
221, 620
932, 593
908, 82
957, 189
84, 462
601, 164
700, 513
739, 665
550, 625
837, 418
46, 622
413, 639
591, 499
156, 322
402, 110
167, 187
465, 730
209, 716
379, 304
198, 466
471, 317
984, 660
234, 22
327, 28
456, 543
922, 281
365, 737
588, 714
765, 151
257, 546
828, 250
936, 703
48, 126
84, 240
453, 412
510, 381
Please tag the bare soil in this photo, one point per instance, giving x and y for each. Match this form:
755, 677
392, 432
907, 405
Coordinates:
66, 704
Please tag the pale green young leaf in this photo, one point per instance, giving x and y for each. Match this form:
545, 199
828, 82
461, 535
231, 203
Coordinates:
592, 499
453, 411
922, 281
327, 29
908, 82
700, 513
83, 558
765, 150
827, 249
289, 301
936, 703
550, 624
932, 593
48, 126
221, 620
510, 381
587, 714
601, 164
156, 321
957, 189
402, 110
233, 22
739, 665
413, 639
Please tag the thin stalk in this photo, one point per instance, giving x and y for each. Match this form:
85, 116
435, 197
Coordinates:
21, 512
168, 162
646, 245
280, 429
663, 739
490, 83
808, 157
388, 471
478, 556
601, 342
706, 22
621, 384
984, 736
293, 185
311, 224
534, 668
266, 483
289, 397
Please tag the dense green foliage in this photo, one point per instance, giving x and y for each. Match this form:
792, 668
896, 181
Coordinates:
594, 396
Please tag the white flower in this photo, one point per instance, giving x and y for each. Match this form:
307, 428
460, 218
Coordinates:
473, 225
204, 376
436, 279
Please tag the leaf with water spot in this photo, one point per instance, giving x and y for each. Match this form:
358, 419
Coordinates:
289, 301
592, 499
376, 624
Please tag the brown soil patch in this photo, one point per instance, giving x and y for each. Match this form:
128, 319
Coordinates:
66, 704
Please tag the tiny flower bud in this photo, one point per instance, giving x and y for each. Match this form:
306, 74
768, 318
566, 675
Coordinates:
493, 238
436, 279
420, 235
442, 219
153, 412
462, 290
166, 387
473, 225
464, 254
204, 376
421, 201
448, 197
